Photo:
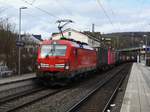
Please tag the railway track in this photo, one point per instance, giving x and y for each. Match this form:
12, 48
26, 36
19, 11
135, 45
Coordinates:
107, 106
19, 95
27, 101
8, 104
84, 105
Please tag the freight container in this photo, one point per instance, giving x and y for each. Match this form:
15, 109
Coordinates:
102, 57
111, 57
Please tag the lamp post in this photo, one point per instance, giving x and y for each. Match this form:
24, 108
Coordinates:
132, 40
19, 52
145, 38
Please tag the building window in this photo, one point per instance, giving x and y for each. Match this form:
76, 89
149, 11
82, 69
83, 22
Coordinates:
69, 33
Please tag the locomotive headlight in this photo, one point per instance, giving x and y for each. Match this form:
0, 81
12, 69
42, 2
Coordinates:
39, 66
67, 67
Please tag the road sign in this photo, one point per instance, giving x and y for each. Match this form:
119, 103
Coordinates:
148, 49
20, 44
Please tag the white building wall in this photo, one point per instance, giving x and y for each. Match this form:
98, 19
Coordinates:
74, 35
77, 36
30, 38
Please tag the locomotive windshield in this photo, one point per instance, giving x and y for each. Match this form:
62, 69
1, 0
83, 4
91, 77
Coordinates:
53, 50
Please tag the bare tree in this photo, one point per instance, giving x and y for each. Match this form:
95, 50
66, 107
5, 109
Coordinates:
7, 43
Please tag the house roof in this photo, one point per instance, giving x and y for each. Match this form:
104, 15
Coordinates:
39, 37
66, 30
92, 35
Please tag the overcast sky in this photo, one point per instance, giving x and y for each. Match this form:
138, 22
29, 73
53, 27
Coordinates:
107, 15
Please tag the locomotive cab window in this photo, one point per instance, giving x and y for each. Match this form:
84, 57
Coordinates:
60, 50
53, 50
46, 50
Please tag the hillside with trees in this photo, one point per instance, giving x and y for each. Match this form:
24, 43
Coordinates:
126, 39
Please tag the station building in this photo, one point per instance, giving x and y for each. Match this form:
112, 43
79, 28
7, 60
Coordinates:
31, 42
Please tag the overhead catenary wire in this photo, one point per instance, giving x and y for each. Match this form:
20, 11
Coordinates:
2, 10
110, 8
50, 14
139, 12
42, 10
101, 6
33, 1
114, 14
63, 7
36, 17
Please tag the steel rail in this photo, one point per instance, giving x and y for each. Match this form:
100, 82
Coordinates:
100, 85
34, 100
115, 91
19, 95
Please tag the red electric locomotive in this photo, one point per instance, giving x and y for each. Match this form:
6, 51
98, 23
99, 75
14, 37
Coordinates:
64, 59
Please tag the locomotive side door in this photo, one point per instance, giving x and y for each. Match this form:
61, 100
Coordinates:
76, 56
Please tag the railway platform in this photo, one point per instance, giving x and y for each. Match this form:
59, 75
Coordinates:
137, 95
16, 78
